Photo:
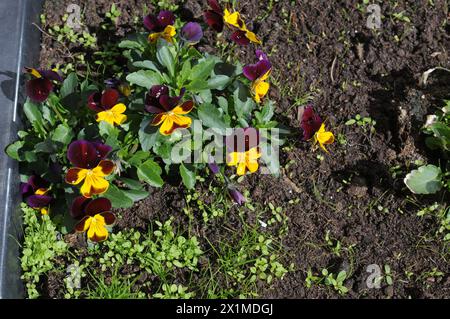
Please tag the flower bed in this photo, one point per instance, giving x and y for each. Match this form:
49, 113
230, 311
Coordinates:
155, 176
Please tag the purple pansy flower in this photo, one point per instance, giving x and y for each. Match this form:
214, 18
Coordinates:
35, 193
192, 32
38, 89
158, 23
259, 69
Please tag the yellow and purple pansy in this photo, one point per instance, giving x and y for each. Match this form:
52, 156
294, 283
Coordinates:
91, 167
94, 217
35, 192
216, 18
39, 88
107, 107
243, 150
258, 74
161, 26
169, 112
314, 128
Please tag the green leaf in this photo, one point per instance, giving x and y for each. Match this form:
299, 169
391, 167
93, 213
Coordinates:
243, 102
132, 183
63, 134
146, 64
148, 134
13, 150
136, 194
33, 115
110, 133
150, 172
166, 59
118, 197
218, 82
187, 176
202, 70
424, 180
69, 85
144, 78
130, 44
211, 117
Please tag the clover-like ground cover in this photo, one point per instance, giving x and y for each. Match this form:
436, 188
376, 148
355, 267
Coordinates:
343, 211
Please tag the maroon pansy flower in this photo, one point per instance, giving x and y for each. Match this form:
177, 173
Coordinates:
94, 215
160, 22
310, 122
86, 154
214, 17
169, 112
39, 88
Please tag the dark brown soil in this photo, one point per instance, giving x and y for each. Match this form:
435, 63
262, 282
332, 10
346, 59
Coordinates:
324, 48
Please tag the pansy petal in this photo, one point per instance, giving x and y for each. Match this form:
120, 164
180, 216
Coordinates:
184, 108
192, 32
240, 38
38, 182
38, 201
26, 189
310, 122
153, 109
260, 55
97, 233
109, 217
51, 75
38, 90
250, 72
263, 68
215, 6
165, 18
151, 22
94, 102
33, 72
82, 154
84, 224
94, 185
97, 206
233, 158
214, 20
252, 37
233, 19
325, 138
158, 119
78, 207
157, 90
119, 108
252, 166
241, 168
102, 150
109, 98
261, 88
182, 121
104, 168
167, 126
75, 175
